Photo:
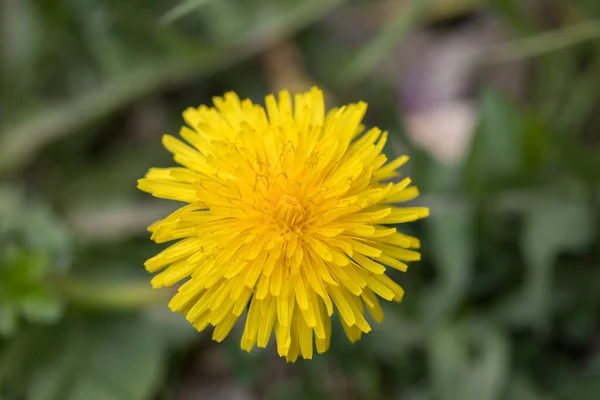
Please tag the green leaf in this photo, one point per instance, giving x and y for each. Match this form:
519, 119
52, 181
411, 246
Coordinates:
521, 388
395, 337
579, 104
550, 229
41, 307
447, 362
182, 9
452, 248
39, 238
20, 42
583, 161
511, 148
30, 266
553, 75
43, 231
535, 145
16, 355
489, 370
8, 320
589, 7
468, 361
495, 154
105, 358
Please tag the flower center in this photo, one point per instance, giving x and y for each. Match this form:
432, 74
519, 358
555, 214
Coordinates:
289, 212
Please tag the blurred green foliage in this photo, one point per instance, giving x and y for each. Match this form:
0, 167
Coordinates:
33, 244
505, 304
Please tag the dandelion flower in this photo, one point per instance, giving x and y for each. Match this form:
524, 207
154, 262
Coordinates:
289, 215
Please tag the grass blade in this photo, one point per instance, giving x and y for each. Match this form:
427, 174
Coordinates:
374, 52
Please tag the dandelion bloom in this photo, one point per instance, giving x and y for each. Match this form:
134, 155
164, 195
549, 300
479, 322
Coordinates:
288, 216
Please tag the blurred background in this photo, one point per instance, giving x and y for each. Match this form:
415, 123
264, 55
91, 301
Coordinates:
497, 102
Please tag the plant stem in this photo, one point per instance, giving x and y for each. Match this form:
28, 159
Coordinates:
543, 43
102, 295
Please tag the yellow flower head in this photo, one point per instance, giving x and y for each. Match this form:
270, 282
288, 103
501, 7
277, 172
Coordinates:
288, 215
